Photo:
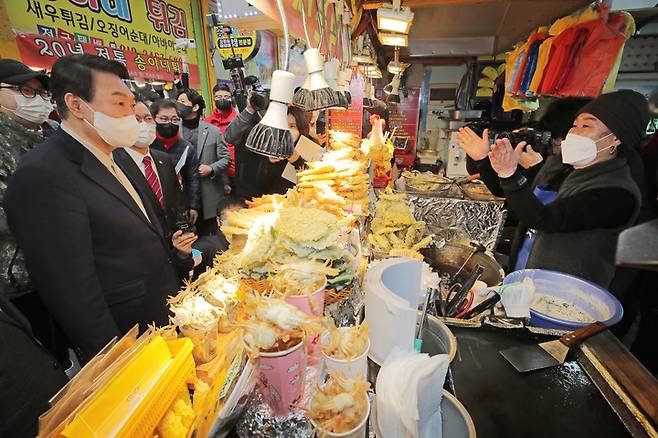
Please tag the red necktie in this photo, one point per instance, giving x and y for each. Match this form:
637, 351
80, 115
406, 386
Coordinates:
152, 179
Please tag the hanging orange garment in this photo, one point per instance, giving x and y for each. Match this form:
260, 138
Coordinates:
566, 47
593, 63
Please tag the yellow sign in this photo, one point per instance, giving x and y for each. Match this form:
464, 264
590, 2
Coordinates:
140, 34
245, 43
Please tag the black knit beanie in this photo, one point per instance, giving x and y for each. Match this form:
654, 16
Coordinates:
624, 112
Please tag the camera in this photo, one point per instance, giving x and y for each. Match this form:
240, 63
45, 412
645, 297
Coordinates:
259, 98
183, 224
478, 126
539, 140
232, 62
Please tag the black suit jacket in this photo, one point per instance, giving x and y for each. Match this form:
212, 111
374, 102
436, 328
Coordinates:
29, 375
173, 197
98, 263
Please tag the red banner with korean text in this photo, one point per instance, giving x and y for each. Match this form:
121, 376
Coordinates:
140, 33
42, 52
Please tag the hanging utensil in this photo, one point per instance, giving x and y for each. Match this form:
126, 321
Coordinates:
418, 342
477, 247
458, 299
483, 306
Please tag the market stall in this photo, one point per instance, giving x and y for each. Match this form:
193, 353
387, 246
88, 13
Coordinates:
274, 340
369, 302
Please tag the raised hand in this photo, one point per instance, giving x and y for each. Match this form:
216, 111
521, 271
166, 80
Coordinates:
504, 159
529, 157
475, 146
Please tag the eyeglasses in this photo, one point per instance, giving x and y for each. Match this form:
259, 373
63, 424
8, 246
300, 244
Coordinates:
165, 119
29, 92
147, 119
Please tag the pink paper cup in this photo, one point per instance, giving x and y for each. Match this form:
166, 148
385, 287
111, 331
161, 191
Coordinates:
312, 305
282, 376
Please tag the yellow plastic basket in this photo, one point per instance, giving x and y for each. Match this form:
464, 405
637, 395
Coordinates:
136, 399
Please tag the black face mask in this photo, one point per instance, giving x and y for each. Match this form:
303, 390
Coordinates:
186, 111
166, 130
224, 104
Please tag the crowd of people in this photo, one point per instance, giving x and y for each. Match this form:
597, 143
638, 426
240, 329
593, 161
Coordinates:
111, 199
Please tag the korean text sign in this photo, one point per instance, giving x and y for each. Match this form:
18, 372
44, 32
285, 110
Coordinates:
138, 33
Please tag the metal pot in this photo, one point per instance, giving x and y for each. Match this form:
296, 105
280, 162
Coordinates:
437, 339
450, 257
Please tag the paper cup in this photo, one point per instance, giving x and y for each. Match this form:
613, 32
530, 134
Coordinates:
313, 304
204, 340
352, 368
358, 432
282, 376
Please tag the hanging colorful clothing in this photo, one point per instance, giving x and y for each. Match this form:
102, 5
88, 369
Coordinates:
593, 62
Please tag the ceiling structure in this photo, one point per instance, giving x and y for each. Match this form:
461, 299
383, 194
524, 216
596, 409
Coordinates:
458, 28
443, 31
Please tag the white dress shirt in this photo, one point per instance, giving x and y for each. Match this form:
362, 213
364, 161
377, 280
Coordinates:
108, 161
138, 158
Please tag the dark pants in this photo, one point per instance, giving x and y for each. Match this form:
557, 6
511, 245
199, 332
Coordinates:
44, 327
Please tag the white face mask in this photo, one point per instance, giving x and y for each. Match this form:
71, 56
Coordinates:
578, 150
33, 109
294, 133
118, 132
146, 135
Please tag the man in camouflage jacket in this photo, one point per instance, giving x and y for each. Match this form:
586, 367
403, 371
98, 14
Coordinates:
24, 109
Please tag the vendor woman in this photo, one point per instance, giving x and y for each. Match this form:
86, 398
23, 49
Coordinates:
583, 198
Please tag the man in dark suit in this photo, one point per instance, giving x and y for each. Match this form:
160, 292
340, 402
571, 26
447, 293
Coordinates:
97, 259
152, 173
29, 375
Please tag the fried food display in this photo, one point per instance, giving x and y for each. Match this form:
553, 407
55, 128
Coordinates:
198, 320
301, 278
274, 325
394, 228
378, 148
345, 343
284, 235
425, 181
340, 404
338, 184
204, 308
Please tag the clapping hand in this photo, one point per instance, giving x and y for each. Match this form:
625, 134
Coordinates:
505, 159
529, 157
475, 146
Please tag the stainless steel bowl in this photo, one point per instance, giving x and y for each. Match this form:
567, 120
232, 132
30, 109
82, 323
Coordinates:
456, 422
437, 339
